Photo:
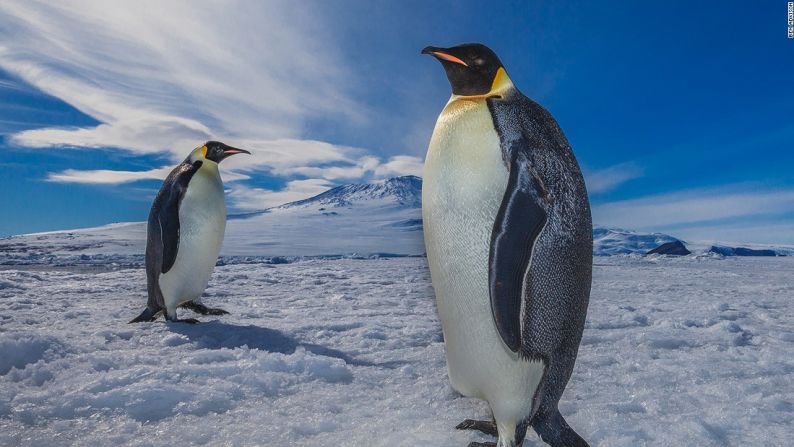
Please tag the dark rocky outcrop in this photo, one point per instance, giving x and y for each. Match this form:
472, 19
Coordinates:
674, 248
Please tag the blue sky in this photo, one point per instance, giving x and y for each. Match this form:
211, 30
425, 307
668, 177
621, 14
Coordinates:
680, 114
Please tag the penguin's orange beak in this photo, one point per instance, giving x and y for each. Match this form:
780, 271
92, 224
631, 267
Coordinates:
449, 57
439, 54
233, 150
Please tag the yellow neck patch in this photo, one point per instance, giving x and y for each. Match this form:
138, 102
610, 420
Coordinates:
501, 82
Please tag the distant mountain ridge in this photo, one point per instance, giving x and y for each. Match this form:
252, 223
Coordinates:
369, 219
618, 241
404, 191
743, 251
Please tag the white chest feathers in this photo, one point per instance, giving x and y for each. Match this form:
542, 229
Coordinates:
202, 222
464, 182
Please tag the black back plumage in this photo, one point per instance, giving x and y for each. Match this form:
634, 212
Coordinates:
162, 243
553, 212
559, 274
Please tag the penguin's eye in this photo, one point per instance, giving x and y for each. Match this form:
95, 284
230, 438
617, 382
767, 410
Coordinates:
479, 61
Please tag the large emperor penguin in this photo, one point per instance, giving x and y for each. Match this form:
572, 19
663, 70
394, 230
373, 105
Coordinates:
509, 242
184, 235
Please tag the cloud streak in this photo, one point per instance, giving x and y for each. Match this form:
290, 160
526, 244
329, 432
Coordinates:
106, 176
605, 180
114, 177
700, 206
283, 157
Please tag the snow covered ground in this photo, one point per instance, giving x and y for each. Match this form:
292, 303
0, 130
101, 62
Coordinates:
677, 351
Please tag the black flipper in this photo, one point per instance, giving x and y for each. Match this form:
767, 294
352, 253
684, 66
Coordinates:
162, 241
518, 223
168, 214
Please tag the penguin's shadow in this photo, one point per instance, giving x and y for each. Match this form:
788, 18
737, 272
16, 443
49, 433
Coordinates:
219, 335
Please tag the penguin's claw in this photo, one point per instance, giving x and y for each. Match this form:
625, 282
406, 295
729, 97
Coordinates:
145, 316
185, 320
202, 309
487, 427
217, 311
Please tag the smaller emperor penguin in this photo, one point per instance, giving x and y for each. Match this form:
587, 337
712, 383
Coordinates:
508, 235
185, 233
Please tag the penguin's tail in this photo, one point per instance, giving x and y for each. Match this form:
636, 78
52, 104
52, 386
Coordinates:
552, 428
147, 315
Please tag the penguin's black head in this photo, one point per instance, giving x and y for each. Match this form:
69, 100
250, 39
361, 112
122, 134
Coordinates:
471, 68
217, 151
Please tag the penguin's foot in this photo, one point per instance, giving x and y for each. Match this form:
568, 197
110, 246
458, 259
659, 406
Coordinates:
482, 444
184, 320
202, 309
171, 317
487, 427
146, 315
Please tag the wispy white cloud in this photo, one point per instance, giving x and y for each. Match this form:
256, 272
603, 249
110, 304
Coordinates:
607, 179
150, 134
358, 169
249, 69
162, 77
114, 177
284, 157
106, 176
364, 167
717, 206
400, 165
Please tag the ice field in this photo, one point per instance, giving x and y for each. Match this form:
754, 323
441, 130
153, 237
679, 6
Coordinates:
349, 352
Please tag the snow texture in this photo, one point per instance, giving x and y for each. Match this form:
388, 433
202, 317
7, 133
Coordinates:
348, 352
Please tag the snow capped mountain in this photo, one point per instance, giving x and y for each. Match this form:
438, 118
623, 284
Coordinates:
353, 220
617, 241
400, 191
384, 217
372, 219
